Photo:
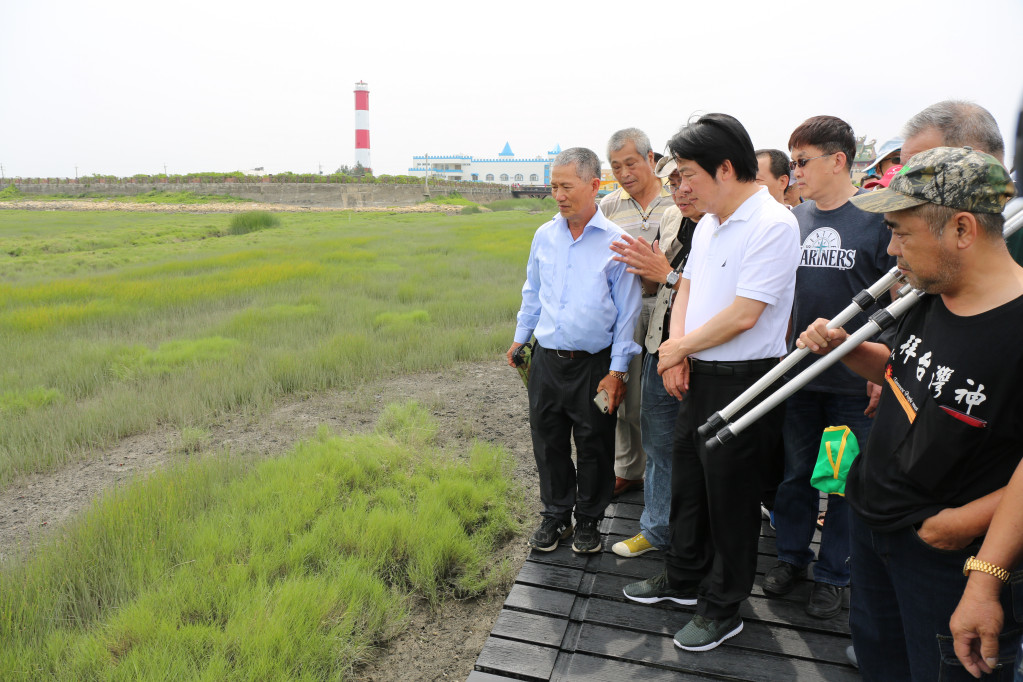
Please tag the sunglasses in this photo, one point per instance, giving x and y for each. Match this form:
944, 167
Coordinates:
800, 163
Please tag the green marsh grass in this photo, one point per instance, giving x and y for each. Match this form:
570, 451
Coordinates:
113, 323
250, 221
290, 569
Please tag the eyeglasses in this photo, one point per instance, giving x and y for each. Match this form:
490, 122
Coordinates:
673, 186
802, 162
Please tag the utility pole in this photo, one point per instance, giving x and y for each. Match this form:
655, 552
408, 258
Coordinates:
426, 178
76, 172
165, 169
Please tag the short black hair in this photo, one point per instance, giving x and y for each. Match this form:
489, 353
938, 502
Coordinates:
711, 140
779, 161
830, 134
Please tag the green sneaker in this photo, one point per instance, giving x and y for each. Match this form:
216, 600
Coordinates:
653, 590
703, 634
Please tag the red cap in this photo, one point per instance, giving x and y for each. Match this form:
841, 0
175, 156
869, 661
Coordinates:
876, 183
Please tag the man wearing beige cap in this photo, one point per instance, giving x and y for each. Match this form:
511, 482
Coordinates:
947, 435
637, 206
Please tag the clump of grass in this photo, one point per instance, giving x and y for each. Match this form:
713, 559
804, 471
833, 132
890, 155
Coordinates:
250, 221
470, 209
400, 321
10, 193
138, 361
524, 204
453, 199
23, 401
294, 568
410, 423
193, 440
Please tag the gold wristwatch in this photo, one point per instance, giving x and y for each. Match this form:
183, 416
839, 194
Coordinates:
975, 564
621, 376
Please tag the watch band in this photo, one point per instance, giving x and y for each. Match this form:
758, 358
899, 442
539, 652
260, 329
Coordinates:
622, 376
975, 564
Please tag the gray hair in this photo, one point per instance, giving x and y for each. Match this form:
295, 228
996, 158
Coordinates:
587, 164
637, 136
960, 123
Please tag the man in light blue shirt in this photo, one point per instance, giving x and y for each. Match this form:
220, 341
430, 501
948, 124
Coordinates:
582, 306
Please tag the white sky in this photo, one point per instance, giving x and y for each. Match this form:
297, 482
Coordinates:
118, 87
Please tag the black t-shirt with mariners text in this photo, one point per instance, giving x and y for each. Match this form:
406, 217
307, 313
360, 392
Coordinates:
842, 252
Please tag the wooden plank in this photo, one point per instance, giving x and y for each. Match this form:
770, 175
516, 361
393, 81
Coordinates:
728, 661
622, 526
625, 510
562, 556
477, 676
585, 668
552, 576
652, 563
756, 635
517, 659
783, 612
636, 568
539, 600
530, 627
631, 497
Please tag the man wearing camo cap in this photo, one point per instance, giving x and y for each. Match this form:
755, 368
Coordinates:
947, 435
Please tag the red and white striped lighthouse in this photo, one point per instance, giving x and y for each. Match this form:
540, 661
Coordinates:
362, 125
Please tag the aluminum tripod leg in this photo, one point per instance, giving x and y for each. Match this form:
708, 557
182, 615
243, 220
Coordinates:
879, 321
861, 302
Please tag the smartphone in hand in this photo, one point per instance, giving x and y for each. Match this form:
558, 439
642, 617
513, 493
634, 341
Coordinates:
602, 401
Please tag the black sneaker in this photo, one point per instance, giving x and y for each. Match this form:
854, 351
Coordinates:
653, 590
782, 579
825, 600
587, 537
549, 534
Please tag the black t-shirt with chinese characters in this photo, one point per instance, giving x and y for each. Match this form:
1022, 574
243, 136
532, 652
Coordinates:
949, 428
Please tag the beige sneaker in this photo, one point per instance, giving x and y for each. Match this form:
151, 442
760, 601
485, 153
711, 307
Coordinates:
634, 546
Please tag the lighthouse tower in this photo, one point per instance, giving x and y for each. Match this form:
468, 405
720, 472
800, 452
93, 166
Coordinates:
362, 125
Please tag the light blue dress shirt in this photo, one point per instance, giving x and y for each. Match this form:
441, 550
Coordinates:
576, 296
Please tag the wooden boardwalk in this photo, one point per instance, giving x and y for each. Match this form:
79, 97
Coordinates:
567, 619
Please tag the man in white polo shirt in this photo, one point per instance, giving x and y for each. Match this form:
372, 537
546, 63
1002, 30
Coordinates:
728, 329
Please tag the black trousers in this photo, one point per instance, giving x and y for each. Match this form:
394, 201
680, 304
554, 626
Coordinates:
715, 498
561, 392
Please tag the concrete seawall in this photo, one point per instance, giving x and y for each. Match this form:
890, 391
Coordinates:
330, 195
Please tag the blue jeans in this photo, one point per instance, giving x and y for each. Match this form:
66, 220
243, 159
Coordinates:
903, 597
797, 503
658, 416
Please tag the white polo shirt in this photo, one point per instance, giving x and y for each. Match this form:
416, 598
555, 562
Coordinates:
754, 254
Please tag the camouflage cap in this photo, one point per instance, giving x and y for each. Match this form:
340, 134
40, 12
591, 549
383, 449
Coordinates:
957, 177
